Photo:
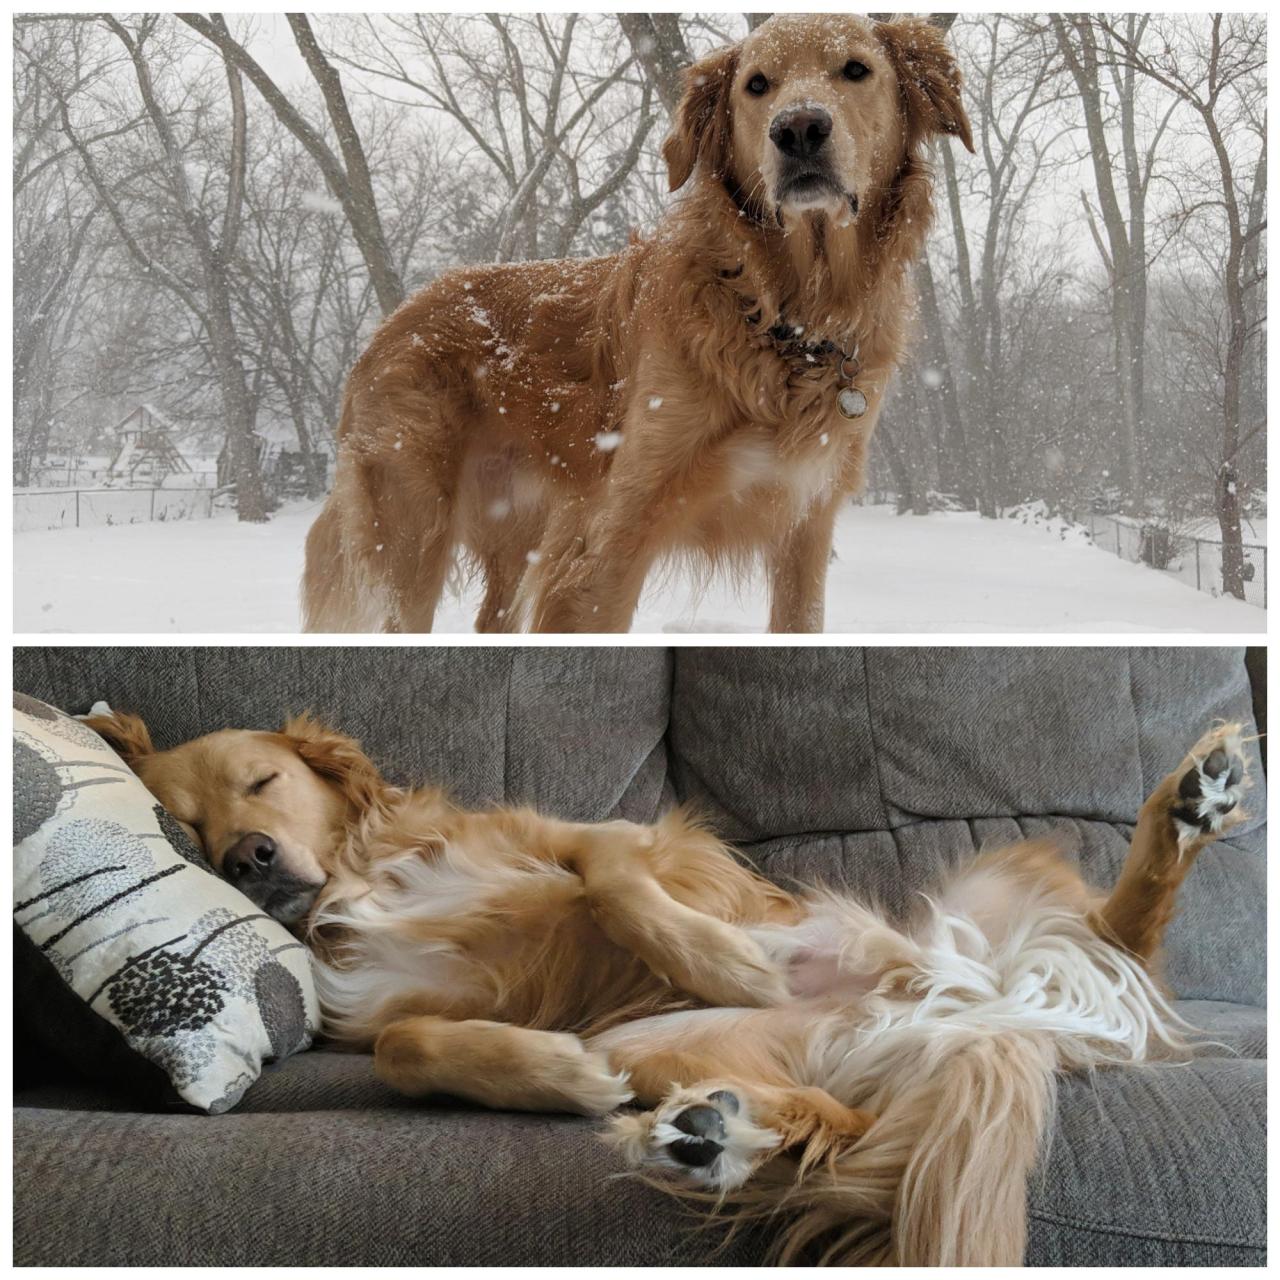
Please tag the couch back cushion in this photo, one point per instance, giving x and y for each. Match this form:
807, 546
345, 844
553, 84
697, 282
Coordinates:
778, 741
577, 732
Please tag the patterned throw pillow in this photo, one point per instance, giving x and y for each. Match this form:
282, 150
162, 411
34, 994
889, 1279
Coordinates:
110, 892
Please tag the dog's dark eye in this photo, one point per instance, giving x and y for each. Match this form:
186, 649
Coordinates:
757, 85
262, 782
855, 70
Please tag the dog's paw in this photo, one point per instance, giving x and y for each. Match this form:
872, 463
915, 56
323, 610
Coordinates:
1214, 779
705, 1134
729, 969
586, 1083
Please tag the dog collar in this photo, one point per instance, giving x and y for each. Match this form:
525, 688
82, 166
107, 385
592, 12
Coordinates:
788, 342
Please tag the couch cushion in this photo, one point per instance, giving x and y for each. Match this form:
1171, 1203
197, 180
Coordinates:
322, 1166
1235, 1029
578, 732
777, 741
1161, 1165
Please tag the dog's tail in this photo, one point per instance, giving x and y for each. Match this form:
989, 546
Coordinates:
939, 1180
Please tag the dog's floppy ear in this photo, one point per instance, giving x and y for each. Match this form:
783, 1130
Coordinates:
701, 129
125, 734
337, 757
928, 79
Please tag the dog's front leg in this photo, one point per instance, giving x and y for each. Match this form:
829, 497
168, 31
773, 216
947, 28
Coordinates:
498, 1065
798, 571
708, 958
593, 583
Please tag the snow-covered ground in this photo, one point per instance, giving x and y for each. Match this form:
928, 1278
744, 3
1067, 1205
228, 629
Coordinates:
943, 572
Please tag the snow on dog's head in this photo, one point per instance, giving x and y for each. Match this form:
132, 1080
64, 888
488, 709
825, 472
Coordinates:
816, 113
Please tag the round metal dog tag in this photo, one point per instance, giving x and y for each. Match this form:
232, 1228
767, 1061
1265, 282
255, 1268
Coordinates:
851, 403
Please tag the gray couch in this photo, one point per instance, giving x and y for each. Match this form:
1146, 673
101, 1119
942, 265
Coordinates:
875, 768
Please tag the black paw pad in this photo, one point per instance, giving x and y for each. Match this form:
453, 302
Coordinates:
1216, 762
1194, 808
726, 1101
705, 1127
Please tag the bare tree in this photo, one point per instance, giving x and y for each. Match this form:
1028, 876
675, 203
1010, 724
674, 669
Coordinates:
527, 97
1120, 162
1009, 72
1218, 76
213, 241
346, 172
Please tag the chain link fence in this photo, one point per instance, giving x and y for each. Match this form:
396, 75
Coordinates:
37, 509
1195, 561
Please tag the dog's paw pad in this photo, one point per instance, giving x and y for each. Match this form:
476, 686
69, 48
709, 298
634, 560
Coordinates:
1213, 785
705, 1128
704, 1134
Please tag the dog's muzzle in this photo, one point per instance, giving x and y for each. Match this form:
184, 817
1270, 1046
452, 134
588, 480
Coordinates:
253, 865
801, 136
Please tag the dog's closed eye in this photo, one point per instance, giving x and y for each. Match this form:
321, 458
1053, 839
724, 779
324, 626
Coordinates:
257, 787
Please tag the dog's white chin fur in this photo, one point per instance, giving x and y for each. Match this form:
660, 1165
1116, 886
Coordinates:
792, 209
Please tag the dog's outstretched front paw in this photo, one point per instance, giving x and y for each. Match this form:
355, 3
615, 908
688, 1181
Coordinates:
704, 1133
1214, 779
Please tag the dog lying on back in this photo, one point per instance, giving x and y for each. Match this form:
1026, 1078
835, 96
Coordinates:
882, 1086
710, 391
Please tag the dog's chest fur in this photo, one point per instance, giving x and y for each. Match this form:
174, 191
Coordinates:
464, 932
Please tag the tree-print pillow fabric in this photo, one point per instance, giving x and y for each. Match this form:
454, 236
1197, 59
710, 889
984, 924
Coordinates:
111, 890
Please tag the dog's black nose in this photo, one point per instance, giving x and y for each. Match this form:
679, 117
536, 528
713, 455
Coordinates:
801, 132
250, 855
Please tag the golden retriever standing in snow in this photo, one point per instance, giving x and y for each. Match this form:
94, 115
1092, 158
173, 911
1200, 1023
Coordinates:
709, 391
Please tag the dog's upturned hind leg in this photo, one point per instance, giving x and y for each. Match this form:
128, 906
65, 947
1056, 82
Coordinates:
1191, 808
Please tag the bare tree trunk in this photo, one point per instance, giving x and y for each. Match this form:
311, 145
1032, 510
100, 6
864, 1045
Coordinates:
214, 259
348, 179
976, 374
1123, 254
955, 450
910, 498
659, 47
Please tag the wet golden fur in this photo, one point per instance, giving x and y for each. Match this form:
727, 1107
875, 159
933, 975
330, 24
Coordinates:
528, 963
565, 425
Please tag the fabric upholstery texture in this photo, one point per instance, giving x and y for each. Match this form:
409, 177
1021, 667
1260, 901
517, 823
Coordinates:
876, 769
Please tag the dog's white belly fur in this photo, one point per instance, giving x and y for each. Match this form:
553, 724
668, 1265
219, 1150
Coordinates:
880, 1005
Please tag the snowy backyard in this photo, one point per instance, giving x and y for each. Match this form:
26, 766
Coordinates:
941, 573
212, 219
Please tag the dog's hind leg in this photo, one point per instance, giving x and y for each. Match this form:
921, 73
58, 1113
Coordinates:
1190, 809
328, 601
415, 558
723, 1098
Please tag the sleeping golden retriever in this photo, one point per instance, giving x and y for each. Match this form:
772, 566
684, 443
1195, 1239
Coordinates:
710, 391
884, 1085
